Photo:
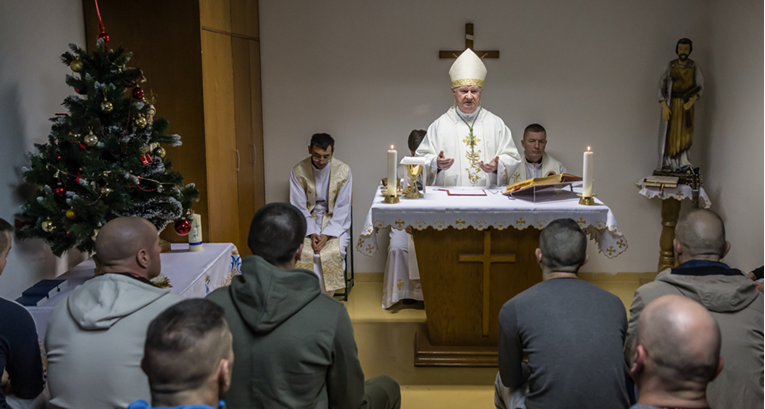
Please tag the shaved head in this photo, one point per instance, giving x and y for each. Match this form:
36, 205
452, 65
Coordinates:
701, 233
681, 341
126, 243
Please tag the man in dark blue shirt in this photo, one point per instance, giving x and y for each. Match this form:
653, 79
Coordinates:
571, 330
19, 349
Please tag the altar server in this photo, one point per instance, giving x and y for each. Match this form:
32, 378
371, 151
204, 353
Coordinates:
402, 276
468, 145
95, 338
537, 162
321, 186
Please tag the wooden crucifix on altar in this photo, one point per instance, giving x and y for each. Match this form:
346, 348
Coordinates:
468, 44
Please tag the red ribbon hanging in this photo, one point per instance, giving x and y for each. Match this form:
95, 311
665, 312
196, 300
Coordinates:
101, 29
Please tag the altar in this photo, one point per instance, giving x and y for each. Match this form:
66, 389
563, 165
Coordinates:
476, 252
189, 274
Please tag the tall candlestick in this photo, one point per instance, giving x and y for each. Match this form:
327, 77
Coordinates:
587, 172
392, 165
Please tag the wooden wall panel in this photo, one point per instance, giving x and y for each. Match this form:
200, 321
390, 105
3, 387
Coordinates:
215, 14
220, 131
244, 18
244, 131
170, 57
257, 125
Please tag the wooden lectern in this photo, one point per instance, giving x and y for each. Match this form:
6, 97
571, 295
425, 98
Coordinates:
467, 275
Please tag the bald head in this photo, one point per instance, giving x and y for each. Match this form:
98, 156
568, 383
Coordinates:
130, 244
701, 233
681, 343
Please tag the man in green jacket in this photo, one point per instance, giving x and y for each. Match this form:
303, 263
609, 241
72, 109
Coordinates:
294, 346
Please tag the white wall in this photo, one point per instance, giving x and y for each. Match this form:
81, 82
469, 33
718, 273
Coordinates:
735, 151
33, 34
368, 73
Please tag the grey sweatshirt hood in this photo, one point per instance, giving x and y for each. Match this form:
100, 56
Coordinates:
271, 295
716, 292
102, 301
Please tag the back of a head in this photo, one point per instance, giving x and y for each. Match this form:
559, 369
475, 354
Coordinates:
184, 345
323, 141
415, 139
683, 340
123, 237
701, 232
534, 128
563, 245
5, 227
276, 232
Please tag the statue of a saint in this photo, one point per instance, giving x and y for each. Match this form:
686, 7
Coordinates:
680, 86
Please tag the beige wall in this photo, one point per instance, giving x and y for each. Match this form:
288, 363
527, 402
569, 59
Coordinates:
368, 73
33, 34
735, 151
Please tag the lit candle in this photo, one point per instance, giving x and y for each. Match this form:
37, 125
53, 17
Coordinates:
587, 172
392, 165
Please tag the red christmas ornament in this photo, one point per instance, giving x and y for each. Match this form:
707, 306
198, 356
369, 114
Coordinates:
105, 37
145, 159
138, 93
182, 227
60, 191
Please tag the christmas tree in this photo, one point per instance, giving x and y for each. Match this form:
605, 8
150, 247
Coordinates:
104, 158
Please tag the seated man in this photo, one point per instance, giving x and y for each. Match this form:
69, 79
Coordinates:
321, 186
676, 353
537, 162
294, 346
402, 277
19, 348
188, 357
571, 330
730, 297
95, 338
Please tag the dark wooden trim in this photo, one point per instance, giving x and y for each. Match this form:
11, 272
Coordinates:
228, 33
426, 354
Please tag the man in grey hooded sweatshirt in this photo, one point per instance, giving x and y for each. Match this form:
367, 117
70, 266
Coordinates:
95, 339
728, 294
294, 346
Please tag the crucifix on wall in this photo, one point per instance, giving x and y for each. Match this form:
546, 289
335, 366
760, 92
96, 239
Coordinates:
468, 44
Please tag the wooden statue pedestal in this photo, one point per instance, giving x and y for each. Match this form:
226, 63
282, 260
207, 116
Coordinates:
467, 275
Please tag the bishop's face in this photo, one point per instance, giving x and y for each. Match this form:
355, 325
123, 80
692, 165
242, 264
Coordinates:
320, 157
467, 97
683, 51
534, 144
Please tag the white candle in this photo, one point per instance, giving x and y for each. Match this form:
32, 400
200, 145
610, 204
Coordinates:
392, 165
587, 172
195, 236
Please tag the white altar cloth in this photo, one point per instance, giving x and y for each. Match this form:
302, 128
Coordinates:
682, 191
439, 210
191, 275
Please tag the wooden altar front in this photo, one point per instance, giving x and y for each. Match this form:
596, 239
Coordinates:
467, 275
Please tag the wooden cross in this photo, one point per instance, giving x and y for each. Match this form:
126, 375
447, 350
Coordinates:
486, 258
468, 44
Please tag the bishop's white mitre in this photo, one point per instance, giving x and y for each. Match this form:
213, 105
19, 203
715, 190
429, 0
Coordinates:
468, 69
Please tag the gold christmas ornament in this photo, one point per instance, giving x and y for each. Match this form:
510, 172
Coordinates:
107, 106
47, 226
90, 139
76, 66
70, 214
141, 122
160, 152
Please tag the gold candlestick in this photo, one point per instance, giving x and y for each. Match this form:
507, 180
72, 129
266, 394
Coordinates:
586, 200
391, 199
412, 192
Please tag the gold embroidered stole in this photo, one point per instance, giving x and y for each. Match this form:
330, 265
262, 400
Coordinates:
549, 164
330, 256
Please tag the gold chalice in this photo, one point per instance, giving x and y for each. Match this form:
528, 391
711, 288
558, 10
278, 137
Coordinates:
412, 192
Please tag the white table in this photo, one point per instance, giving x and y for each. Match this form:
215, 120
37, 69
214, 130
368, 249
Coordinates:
680, 192
191, 275
439, 210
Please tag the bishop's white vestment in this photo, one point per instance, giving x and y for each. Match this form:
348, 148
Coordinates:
324, 198
490, 137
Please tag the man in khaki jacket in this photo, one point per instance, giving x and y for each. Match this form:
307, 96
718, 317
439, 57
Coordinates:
731, 298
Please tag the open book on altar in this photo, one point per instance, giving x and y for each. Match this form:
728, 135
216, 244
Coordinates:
546, 182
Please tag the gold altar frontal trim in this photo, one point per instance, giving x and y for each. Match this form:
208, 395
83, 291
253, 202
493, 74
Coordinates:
459, 83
